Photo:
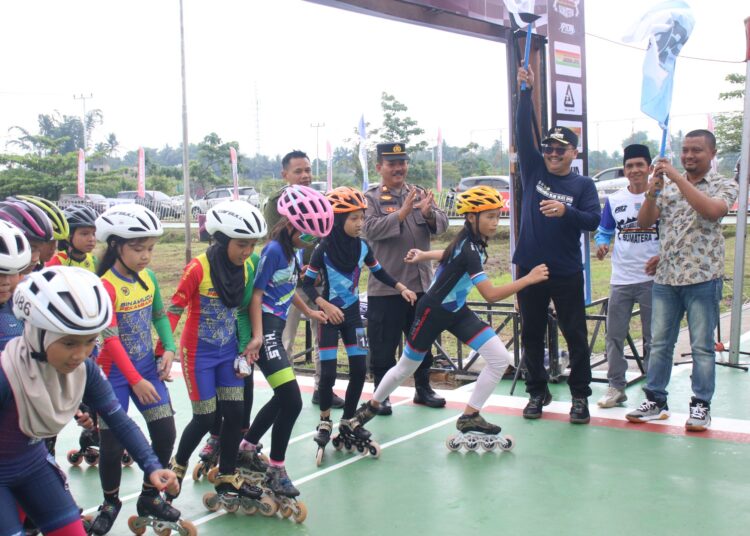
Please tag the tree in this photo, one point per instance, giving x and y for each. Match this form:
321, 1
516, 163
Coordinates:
399, 128
728, 129
641, 137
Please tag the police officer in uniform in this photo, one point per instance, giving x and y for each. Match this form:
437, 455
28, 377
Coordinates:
399, 217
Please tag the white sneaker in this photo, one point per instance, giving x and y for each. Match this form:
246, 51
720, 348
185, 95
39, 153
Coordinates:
613, 397
700, 416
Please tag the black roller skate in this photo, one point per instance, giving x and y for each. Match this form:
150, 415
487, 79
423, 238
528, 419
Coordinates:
209, 456
352, 435
365, 413
280, 488
179, 471
233, 493
252, 466
105, 518
127, 459
154, 511
322, 438
89, 448
475, 432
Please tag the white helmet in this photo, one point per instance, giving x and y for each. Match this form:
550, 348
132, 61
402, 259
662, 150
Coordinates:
127, 221
63, 299
15, 252
236, 219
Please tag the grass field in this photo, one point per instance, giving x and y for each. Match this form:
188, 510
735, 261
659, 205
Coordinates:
169, 260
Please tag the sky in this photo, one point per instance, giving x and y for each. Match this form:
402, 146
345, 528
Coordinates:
306, 64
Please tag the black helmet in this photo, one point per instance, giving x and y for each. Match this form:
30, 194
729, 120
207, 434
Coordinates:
80, 216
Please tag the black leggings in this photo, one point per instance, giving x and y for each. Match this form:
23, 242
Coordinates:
357, 371
162, 433
281, 412
230, 415
247, 408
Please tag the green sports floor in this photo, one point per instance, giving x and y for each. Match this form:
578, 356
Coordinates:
610, 477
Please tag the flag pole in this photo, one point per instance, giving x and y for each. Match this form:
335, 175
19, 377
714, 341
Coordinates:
527, 52
739, 244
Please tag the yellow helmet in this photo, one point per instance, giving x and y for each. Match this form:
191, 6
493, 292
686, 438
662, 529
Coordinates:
479, 199
60, 228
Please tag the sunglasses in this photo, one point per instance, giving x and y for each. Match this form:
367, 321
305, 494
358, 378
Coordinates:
307, 238
550, 149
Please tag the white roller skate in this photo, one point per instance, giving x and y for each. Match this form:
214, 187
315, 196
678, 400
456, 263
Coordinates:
475, 432
154, 511
233, 493
353, 436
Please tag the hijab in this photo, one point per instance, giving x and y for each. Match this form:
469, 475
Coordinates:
228, 278
342, 249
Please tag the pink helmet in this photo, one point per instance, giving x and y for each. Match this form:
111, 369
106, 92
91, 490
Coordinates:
307, 210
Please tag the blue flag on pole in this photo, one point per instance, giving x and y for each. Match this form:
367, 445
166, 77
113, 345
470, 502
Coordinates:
668, 26
363, 152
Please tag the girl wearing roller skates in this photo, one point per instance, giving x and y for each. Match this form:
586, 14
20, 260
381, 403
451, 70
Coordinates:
306, 215
211, 289
443, 307
15, 256
44, 377
127, 356
76, 249
338, 261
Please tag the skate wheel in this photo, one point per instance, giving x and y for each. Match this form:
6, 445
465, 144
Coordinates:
250, 510
210, 501
319, 457
135, 526
508, 444
374, 449
488, 444
127, 460
232, 508
267, 506
453, 444
286, 511
74, 458
336, 441
301, 514
212, 474
472, 444
91, 458
197, 470
163, 532
188, 529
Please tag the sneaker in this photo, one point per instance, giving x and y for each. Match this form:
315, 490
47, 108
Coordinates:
533, 409
700, 416
579, 411
336, 402
613, 397
649, 411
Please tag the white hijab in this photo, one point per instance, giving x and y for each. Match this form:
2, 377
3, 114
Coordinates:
46, 399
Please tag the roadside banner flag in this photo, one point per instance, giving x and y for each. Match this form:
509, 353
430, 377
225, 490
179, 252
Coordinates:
141, 173
439, 162
667, 26
363, 152
235, 174
329, 167
81, 173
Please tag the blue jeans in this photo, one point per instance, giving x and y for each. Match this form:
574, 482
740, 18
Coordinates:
670, 303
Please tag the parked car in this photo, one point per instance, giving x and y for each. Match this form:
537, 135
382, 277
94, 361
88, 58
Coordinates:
159, 202
96, 201
608, 181
501, 183
217, 195
178, 202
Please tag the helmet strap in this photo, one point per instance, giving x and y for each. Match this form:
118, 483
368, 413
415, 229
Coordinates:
130, 271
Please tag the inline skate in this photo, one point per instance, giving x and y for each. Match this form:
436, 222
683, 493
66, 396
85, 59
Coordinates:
154, 511
209, 456
352, 435
233, 493
475, 432
322, 438
88, 449
179, 471
104, 519
252, 466
283, 493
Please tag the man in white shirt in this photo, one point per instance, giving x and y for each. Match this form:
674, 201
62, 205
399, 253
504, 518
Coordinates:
634, 260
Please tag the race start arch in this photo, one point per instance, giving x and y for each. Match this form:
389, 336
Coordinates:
558, 39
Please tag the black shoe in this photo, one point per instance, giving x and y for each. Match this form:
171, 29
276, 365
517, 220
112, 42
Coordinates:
579, 411
533, 409
337, 402
427, 397
385, 407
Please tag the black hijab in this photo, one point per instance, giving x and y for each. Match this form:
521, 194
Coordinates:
342, 249
228, 278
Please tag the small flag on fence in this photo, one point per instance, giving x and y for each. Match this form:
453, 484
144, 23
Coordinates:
235, 174
363, 152
81, 173
329, 167
141, 173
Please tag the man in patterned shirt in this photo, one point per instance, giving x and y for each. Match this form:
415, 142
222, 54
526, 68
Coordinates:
688, 279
